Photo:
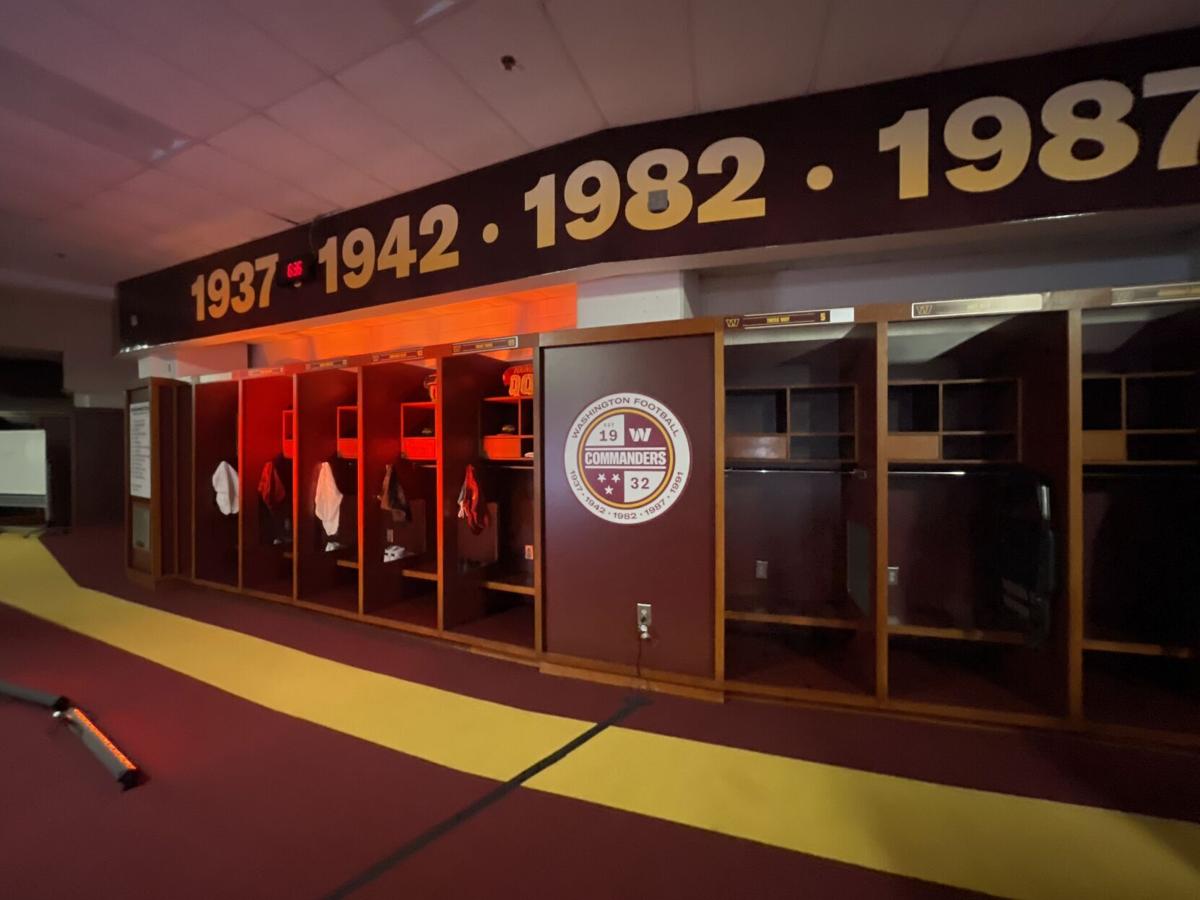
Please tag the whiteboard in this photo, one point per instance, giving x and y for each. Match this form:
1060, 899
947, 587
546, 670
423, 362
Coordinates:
23, 462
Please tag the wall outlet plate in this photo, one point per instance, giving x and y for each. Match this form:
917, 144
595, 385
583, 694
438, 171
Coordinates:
760, 568
644, 616
391, 536
529, 551
893, 576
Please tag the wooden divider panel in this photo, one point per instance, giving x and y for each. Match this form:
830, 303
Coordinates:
597, 570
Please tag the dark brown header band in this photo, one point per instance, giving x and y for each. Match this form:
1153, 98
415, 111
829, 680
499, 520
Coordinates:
1115, 126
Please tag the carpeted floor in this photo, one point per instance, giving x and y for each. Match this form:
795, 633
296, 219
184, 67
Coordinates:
247, 801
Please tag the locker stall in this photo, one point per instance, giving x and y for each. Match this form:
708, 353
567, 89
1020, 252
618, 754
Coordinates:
488, 496
327, 488
978, 468
991, 516
1141, 515
217, 483
800, 476
399, 461
267, 417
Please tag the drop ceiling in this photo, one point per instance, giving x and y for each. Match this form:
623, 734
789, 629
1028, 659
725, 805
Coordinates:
135, 134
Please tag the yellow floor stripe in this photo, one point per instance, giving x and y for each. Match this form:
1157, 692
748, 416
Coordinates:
994, 843
999, 844
454, 730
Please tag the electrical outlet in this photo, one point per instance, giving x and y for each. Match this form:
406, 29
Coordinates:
760, 568
529, 551
391, 536
644, 617
893, 576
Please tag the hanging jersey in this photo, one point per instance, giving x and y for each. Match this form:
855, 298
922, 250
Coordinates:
271, 487
225, 487
328, 502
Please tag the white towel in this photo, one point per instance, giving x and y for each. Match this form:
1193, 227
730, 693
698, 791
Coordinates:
225, 484
329, 499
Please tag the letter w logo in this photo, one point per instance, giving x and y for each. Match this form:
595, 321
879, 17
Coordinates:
639, 434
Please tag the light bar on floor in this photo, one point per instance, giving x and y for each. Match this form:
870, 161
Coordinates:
120, 766
56, 702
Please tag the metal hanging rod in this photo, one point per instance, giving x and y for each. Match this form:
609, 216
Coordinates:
940, 473
1144, 474
855, 473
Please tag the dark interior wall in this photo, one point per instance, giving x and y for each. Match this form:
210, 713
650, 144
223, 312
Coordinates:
97, 471
318, 395
597, 571
465, 381
216, 416
795, 523
936, 527
384, 389
264, 567
80, 329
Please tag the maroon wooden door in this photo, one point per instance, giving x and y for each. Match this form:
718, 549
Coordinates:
597, 570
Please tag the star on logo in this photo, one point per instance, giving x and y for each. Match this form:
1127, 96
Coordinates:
608, 490
616, 477
600, 477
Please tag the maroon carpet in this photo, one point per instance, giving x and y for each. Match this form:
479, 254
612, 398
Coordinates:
1058, 766
245, 802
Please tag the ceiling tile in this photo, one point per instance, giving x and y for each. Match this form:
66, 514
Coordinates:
635, 56
73, 248
421, 95
36, 94
178, 195
120, 212
31, 198
190, 239
1130, 18
867, 42
328, 116
210, 42
78, 48
265, 144
543, 98
742, 59
1022, 28
244, 184
69, 157
331, 35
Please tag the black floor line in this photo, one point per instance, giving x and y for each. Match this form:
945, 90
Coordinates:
631, 705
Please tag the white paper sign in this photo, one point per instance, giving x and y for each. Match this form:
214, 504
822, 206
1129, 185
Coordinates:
139, 450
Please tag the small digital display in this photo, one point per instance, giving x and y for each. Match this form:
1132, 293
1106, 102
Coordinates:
295, 271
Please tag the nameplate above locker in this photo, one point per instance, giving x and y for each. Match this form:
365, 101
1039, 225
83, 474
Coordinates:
1161, 293
754, 321
399, 355
979, 306
327, 364
486, 346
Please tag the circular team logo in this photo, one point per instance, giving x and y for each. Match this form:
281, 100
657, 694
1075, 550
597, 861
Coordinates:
627, 458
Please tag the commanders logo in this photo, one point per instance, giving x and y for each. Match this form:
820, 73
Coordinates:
627, 458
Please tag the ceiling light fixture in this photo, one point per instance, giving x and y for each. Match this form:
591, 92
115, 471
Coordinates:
435, 9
